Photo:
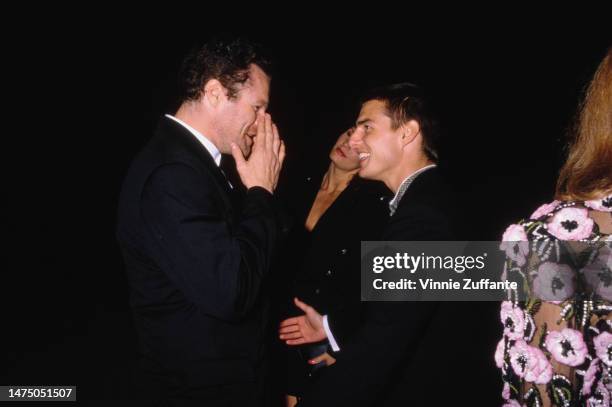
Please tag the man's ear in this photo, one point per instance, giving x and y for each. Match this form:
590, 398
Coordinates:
410, 130
214, 93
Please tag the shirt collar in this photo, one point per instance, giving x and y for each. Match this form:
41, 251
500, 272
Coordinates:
393, 204
210, 147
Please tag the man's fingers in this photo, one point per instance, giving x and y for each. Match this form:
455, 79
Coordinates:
276, 141
268, 129
294, 342
261, 129
306, 308
289, 329
301, 305
281, 154
238, 157
290, 321
293, 335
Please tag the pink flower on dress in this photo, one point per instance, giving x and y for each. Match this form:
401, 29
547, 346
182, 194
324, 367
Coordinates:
571, 224
589, 376
530, 363
600, 397
499, 354
567, 346
553, 282
512, 403
604, 205
544, 210
603, 347
515, 244
513, 319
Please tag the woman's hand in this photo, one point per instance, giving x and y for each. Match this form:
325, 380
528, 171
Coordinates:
290, 401
326, 357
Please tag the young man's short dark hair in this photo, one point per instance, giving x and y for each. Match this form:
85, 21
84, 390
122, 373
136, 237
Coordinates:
405, 102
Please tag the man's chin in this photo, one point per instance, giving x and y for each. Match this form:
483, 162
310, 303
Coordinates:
363, 173
367, 173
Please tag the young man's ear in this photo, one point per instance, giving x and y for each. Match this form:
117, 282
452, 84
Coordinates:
409, 131
214, 93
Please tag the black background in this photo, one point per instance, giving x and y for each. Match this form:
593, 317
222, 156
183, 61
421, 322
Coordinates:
86, 101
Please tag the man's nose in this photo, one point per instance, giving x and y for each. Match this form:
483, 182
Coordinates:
354, 139
259, 116
252, 130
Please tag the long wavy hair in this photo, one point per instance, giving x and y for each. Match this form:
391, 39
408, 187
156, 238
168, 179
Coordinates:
587, 173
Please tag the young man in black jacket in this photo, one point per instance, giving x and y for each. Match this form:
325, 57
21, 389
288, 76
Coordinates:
395, 138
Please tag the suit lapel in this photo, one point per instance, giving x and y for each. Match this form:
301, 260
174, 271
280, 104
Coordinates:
181, 136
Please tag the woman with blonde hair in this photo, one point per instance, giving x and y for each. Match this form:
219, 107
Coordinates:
556, 348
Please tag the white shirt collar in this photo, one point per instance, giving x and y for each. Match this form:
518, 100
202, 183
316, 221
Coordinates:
404, 187
210, 147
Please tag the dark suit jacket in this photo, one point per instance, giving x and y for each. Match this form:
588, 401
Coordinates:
327, 260
196, 256
374, 362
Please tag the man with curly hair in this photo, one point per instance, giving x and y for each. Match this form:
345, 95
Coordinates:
196, 249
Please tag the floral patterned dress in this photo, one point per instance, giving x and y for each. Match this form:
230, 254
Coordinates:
556, 348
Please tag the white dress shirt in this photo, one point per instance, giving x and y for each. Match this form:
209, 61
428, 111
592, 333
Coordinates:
210, 147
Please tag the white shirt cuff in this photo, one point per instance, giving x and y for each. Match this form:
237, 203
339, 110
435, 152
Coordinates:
330, 336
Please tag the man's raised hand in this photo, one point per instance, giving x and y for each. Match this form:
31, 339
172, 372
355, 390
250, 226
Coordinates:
266, 159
